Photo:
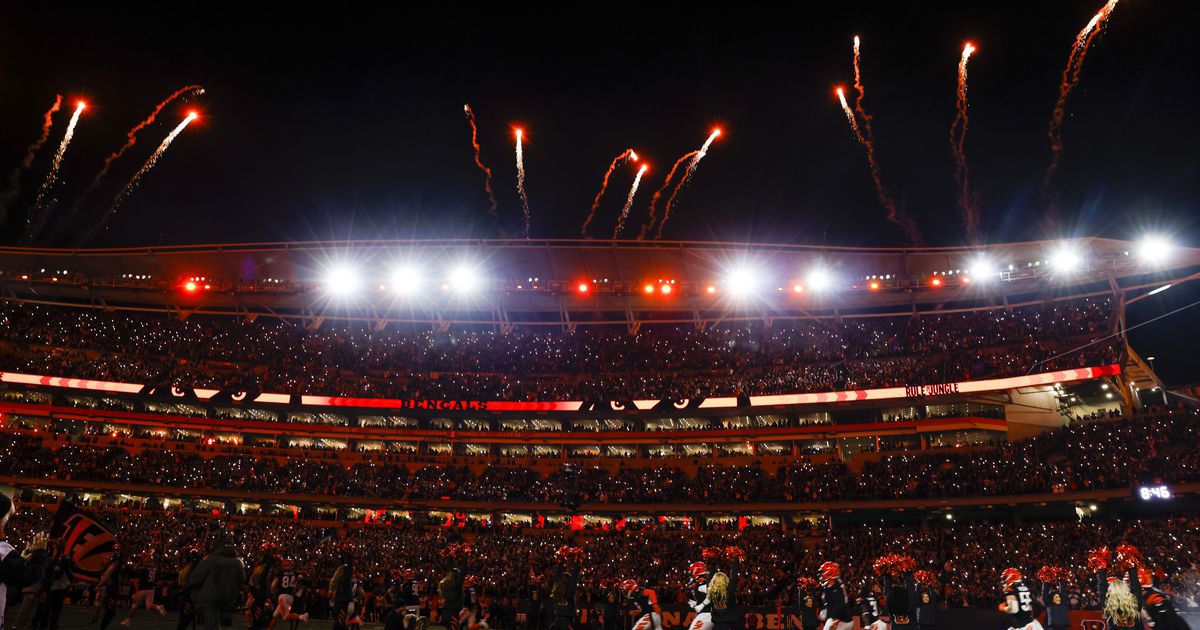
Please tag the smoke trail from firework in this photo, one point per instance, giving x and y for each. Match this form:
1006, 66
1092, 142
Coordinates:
14, 177
958, 138
658, 193
629, 201
866, 137
487, 172
858, 86
41, 208
685, 179
141, 172
628, 154
130, 140
1070, 78
521, 182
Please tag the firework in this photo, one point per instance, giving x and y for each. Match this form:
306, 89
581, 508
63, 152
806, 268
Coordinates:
1070, 78
628, 154
37, 216
487, 172
141, 172
866, 137
629, 201
131, 139
850, 116
521, 181
14, 178
658, 193
958, 138
684, 179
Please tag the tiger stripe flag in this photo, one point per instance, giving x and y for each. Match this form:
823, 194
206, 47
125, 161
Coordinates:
84, 540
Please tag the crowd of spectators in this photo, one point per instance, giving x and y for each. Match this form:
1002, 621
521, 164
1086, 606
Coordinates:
511, 562
675, 362
1085, 456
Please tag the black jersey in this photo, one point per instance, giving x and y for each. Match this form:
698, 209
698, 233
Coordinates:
835, 602
870, 608
698, 592
1024, 597
645, 601
289, 581
145, 577
1161, 610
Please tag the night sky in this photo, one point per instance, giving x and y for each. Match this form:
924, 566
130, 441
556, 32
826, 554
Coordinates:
345, 120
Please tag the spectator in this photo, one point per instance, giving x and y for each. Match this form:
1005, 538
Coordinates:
215, 583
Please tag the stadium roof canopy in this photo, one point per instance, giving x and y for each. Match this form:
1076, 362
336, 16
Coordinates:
509, 283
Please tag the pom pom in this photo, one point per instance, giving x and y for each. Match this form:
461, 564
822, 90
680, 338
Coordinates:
1098, 559
708, 553
1051, 573
735, 553
894, 564
926, 577
807, 584
1128, 557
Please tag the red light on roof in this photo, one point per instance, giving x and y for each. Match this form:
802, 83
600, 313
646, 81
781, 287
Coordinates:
874, 285
666, 289
190, 286
937, 282
711, 289
583, 287
966, 280
649, 288
797, 288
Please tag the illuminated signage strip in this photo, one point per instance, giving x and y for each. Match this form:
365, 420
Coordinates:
937, 389
908, 392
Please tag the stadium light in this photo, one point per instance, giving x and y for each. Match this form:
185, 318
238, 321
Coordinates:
464, 279
819, 279
1154, 249
1065, 258
981, 268
341, 280
406, 279
742, 281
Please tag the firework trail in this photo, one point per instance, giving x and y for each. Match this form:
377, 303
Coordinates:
130, 140
658, 193
958, 138
1070, 79
41, 208
685, 179
629, 202
487, 172
850, 117
629, 154
521, 182
14, 178
141, 172
866, 137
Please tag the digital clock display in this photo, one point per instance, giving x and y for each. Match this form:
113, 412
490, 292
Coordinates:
1154, 493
